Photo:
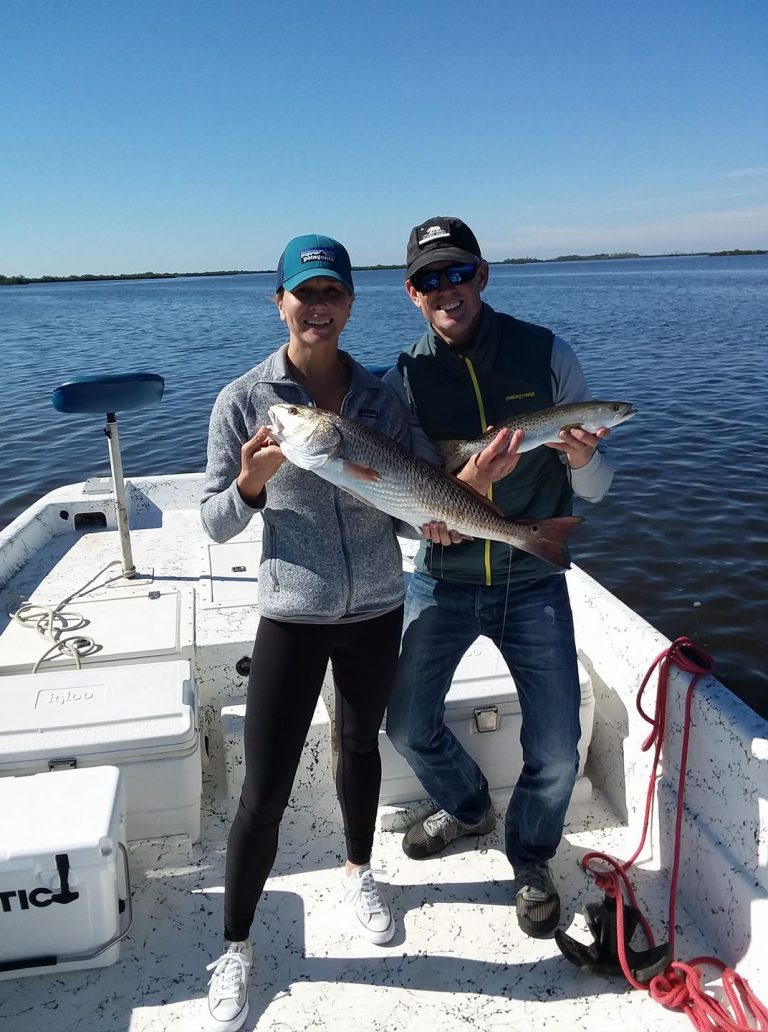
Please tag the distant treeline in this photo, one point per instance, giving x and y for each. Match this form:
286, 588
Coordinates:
568, 258
89, 277
720, 254
626, 254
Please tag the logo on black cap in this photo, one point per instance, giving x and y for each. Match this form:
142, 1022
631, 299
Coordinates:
433, 233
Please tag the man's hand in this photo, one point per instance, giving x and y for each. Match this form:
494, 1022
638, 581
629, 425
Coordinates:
438, 533
494, 462
578, 445
260, 458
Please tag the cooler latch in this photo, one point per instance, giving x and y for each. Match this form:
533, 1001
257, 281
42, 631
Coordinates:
66, 763
487, 719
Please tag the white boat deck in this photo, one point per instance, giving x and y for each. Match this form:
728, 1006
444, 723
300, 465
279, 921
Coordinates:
458, 960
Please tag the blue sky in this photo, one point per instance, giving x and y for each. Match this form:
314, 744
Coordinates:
201, 135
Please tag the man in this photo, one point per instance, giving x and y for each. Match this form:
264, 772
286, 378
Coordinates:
474, 368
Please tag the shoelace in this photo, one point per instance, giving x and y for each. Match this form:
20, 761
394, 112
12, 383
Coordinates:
535, 881
369, 894
233, 973
440, 821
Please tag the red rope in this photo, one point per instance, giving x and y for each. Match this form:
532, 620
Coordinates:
680, 986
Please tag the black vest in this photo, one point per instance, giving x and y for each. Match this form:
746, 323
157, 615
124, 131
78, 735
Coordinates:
506, 371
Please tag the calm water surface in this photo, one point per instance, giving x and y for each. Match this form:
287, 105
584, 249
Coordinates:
681, 537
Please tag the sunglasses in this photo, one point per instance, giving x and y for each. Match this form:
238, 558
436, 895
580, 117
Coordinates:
427, 282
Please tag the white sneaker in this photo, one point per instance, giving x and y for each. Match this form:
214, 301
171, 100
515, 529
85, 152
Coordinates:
228, 993
368, 911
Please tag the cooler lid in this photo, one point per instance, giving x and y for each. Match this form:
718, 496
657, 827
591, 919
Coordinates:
60, 812
97, 711
482, 676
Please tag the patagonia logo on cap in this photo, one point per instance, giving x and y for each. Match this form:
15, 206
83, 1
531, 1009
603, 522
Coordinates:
433, 233
318, 254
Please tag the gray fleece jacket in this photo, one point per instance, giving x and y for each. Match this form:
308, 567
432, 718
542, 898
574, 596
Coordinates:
326, 557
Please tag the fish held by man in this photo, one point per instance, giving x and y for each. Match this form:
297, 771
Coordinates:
542, 427
379, 471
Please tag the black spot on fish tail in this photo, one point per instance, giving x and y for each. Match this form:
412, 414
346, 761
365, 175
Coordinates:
548, 538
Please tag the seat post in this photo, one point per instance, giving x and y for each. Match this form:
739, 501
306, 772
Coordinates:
109, 393
118, 483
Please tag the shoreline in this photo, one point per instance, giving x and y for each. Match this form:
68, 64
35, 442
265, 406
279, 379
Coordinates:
17, 281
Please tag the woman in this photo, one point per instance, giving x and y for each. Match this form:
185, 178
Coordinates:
330, 586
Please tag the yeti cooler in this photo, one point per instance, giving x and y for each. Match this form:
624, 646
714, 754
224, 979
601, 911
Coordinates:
141, 717
64, 886
482, 710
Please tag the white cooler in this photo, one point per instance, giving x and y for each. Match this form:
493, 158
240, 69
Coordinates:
483, 712
140, 717
65, 898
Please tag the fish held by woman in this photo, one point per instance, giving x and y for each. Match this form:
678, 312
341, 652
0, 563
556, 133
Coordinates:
379, 471
542, 427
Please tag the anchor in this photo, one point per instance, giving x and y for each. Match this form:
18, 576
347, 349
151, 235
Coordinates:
602, 956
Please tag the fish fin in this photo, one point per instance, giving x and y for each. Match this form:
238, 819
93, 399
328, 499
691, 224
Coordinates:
358, 472
550, 538
480, 497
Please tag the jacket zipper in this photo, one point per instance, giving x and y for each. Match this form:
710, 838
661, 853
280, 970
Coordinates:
483, 428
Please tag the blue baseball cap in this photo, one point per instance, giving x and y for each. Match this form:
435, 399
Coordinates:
313, 255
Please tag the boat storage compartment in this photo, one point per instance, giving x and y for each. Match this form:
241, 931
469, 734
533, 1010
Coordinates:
483, 712
65, 898
142, 718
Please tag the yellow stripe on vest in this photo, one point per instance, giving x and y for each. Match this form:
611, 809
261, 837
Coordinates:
483, 428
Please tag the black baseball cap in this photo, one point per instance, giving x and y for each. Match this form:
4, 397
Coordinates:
441, 239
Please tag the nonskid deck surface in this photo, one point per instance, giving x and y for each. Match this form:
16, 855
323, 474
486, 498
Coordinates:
457, 961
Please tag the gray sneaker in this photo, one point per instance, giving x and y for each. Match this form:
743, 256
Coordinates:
536, 900
432, 834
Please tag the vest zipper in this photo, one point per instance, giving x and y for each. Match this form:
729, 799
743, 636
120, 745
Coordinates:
483, 428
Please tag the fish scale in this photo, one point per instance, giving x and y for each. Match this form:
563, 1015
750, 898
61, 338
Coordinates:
376, 469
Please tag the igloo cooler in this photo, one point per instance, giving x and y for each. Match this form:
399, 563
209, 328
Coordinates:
65, 899
140, 717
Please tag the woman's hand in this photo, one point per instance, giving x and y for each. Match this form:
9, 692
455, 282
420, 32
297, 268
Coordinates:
260, 458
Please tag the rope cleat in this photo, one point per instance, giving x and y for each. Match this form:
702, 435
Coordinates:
602, 956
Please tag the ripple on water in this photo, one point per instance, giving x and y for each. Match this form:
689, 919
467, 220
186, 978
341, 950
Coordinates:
682, 536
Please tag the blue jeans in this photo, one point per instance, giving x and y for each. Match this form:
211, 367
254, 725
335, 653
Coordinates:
442, 619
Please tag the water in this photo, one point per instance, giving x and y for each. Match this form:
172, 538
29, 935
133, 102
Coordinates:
682, 536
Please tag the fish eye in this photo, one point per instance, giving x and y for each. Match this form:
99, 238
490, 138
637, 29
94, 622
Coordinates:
293, 410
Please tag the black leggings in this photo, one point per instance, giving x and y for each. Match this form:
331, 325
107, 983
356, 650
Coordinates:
287, 671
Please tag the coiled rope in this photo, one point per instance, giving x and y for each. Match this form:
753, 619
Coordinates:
57, 626
679, 987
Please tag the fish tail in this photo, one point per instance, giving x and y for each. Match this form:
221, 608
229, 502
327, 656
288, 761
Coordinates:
547, 538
